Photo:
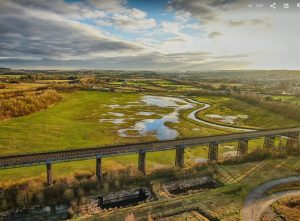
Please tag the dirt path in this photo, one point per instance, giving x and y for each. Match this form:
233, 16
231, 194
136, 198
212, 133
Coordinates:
257, 202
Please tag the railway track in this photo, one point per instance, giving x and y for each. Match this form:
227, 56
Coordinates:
20, 160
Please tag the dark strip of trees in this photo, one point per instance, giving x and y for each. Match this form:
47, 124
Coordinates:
288, 110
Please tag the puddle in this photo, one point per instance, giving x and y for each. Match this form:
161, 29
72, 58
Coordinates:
114, 106
193, 116
114, 121
116, 114
152, 126
165, 101
145, 113
157, 126
226, 119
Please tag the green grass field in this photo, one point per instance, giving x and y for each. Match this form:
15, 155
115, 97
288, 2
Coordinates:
290, 99
173, 86
257, 117
74, 123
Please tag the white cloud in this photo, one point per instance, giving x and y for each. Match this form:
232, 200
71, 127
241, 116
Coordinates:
202, 34
231, 28
119, 16
128, 22
39, 33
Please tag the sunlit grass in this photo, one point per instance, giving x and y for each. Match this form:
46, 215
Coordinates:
257, 117
74, 123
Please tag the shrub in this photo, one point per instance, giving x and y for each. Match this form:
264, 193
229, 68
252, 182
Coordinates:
256, 155
27, 103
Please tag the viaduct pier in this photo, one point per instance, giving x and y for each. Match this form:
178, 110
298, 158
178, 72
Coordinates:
98, 153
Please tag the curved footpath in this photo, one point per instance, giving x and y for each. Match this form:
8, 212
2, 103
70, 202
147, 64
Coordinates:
256, 202
193, 116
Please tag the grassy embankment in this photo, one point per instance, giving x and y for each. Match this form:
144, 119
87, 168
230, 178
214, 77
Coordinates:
74, 123
257, 117
288, 208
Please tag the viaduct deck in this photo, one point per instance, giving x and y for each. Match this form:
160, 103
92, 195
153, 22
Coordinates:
11, 161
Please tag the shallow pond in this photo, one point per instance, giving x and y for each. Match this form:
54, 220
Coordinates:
154, 123
158, 126
226, 119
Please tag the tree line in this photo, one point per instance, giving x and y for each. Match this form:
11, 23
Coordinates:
288, 110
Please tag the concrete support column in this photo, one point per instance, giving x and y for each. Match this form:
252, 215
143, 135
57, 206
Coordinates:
213, 152
297, 140
242, 147
142, 162
179, 159
49, 173
99, 168
292, 141
269, 142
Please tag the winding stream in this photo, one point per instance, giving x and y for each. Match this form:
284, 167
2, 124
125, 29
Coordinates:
193, 116
158, 126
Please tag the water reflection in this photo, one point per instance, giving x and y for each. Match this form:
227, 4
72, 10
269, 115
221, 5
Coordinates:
157, 126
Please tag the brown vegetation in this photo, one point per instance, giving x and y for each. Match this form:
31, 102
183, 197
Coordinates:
73, 190
130, 217
256, 155
27, 103
288, 208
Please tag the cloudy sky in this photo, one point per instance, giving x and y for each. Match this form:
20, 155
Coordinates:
149, 34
